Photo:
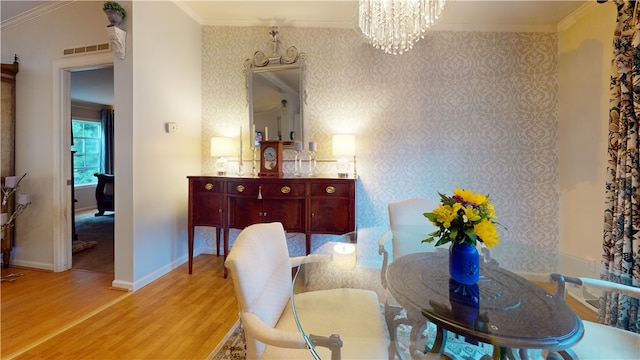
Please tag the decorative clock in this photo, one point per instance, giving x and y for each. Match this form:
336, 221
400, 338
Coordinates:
271, 158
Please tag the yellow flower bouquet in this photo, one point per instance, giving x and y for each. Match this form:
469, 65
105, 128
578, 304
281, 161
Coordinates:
464, 217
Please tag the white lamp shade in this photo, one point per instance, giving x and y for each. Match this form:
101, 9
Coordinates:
221, 146
344, 145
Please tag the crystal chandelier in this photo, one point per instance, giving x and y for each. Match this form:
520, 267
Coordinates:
395, 25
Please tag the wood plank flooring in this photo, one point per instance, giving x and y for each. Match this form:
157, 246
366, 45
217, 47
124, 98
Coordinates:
178, 316
580, 309
74, 314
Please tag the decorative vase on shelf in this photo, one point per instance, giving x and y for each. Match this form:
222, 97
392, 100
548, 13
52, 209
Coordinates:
115, 17
464, 263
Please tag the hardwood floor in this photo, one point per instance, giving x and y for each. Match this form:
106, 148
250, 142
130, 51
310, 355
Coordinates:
580, 309
74, 315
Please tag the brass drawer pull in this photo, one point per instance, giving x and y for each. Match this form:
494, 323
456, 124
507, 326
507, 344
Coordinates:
240, 188
208, 186
285, 189
330, 189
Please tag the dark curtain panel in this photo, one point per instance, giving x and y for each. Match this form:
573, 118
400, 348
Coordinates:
106, 117
621, 243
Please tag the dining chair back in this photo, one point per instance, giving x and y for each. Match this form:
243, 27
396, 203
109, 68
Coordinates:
408, 226
344, 322
602, 341
260, 268
409, 213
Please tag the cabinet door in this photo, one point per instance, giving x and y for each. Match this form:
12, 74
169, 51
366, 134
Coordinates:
208, 202
245, 205
332, 207
244, 211
331, 216
283, 201
289, 212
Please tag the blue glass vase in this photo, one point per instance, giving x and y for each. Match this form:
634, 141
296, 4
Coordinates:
464, 263
465, 302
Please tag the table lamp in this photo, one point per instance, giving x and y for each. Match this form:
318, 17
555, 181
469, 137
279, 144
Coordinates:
221, 147
344, 146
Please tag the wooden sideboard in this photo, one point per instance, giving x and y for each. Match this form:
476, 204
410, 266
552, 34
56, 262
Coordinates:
317, 205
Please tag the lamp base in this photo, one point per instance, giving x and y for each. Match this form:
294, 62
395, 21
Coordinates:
343, 166
221, 165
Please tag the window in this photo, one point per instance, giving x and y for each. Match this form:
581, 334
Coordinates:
87, 142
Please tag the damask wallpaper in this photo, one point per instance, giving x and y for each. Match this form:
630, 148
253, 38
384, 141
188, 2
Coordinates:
475, 110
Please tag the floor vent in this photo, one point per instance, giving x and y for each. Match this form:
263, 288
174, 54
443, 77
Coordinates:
86, 49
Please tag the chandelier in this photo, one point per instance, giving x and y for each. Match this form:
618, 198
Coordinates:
395, 25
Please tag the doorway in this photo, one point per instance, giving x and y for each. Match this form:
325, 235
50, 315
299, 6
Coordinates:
92, 120
62, 166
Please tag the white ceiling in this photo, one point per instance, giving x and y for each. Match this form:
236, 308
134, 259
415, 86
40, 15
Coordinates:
497, 15
341, 13
476, 14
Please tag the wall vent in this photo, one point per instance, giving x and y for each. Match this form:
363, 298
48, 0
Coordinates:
86, 49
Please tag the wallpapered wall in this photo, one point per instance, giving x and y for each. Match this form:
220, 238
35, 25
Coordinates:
476, 110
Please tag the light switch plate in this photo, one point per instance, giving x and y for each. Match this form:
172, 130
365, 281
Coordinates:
171, 127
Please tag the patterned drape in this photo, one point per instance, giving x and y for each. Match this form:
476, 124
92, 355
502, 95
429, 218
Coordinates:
106, 117
621, 242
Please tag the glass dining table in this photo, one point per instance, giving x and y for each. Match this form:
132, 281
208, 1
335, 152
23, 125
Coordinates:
503, 316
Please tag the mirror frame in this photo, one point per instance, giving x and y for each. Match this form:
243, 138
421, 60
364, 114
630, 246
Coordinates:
260, 63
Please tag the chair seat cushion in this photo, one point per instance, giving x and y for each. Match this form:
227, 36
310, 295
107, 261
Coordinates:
354, 314
607, 342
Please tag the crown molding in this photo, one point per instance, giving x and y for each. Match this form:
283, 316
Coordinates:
571, 19
283, 23
34, 13
546, 28
187, 10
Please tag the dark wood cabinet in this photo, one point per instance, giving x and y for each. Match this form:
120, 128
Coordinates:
316, 205
207, 202
267, 200
206, 208
326, 200
7, 154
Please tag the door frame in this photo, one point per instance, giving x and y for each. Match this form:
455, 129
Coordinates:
61, 162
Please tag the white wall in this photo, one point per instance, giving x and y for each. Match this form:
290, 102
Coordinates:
85, 197
585, 51
154, 84
39, 44
166, 88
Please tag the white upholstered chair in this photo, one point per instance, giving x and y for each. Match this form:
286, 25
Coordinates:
405, 218
602, 341
260, 267
408, 227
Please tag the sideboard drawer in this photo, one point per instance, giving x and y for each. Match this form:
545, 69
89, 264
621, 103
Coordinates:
283, 190
207, 186
243, 188
331, 188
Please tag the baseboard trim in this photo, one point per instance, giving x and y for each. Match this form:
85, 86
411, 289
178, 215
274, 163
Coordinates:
32, 265
122, 285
